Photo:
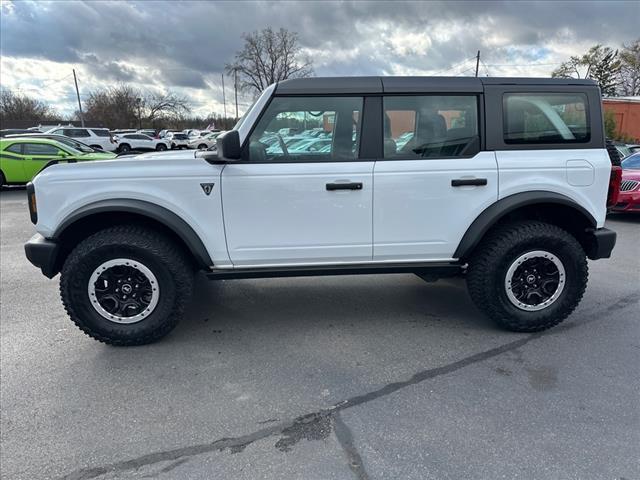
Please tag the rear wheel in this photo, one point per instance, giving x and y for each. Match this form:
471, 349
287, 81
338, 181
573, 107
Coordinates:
528, 276
125, 147
126, 285
3, 180
161, 147
202, 146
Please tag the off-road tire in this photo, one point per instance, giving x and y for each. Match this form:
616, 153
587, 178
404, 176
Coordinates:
490, 262
166, 260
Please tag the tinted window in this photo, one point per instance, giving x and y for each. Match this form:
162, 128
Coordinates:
76, 132
286, 130
15, 148
142, 137
101, 133
434, 126
40, 149
545, 118
179, 136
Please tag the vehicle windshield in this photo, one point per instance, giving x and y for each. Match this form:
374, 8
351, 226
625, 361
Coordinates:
76, 145
632, 162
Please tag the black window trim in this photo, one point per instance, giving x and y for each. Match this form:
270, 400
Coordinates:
493, 114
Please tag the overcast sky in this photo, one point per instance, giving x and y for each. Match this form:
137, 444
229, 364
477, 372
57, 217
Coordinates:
184, 46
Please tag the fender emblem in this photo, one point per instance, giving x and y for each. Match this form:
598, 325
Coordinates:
207, 188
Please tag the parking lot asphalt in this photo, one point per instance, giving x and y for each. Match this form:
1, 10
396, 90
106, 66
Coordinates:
365, 377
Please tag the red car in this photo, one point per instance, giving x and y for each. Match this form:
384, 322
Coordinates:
629, 198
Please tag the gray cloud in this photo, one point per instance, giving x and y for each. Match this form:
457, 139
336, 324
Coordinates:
181, 44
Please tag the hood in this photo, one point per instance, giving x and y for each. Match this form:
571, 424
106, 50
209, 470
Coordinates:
631, 174
166, 155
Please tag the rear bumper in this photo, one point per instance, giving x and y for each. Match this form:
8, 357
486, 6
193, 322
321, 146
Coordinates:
601, 243
43, 254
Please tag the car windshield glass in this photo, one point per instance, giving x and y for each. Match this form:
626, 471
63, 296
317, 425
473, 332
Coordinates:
632, 162
74, 144
179, 136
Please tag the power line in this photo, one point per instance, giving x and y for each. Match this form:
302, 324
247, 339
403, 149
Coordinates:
453, 67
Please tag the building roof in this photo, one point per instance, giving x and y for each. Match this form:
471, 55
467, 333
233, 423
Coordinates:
622, 99
347, 85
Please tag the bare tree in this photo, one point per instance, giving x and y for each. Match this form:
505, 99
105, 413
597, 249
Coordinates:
630, 69
599, 63
269, 56
160, 105
22, 108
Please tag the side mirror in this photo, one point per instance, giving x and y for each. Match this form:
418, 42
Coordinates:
229, 146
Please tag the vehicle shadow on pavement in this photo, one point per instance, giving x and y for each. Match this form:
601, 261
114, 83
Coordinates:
362, 302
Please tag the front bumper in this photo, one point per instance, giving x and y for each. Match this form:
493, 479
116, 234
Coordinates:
601, 243
627, 202
43, 254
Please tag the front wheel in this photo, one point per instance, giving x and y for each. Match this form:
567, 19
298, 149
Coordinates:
528, 276
126, 285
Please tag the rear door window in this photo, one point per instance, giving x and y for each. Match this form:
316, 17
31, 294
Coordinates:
531, 118
430, 126
101, 133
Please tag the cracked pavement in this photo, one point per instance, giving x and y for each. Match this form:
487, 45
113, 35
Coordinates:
360, 377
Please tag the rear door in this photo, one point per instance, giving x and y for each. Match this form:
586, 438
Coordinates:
302, 207
433, 179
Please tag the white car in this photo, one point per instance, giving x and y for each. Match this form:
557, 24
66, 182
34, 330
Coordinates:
139, 141
177, 140
205, 142
514, 207
94, 137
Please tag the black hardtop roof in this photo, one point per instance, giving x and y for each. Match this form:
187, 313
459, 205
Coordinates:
347, 85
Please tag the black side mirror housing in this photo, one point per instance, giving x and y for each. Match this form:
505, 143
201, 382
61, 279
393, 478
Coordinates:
229, 148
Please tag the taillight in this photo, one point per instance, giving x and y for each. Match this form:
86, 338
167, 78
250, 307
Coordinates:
614, 185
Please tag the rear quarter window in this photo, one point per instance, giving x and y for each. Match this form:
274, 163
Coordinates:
545, 118
101, 133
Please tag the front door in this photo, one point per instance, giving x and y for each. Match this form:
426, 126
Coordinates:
433, 180
301, 195
37, 155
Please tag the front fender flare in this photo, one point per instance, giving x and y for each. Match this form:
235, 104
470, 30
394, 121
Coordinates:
147, 209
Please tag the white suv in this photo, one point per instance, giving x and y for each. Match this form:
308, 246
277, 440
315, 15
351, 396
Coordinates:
140, 141
94, 137
503, 181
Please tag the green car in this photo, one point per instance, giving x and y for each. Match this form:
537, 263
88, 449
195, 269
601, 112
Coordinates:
22, 158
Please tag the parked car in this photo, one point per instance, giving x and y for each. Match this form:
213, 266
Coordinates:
203, 143
94, 137
623, 149
16, 131
138, 141
164, 133
121, 131
177, 140
82, 147
629, 197
634, 148
22, 158
513, 208
148, 131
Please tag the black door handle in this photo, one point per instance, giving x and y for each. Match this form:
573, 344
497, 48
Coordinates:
461, 182
344, 186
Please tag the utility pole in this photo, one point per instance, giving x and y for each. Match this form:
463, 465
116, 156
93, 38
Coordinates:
477, 62
75, 80
224, 101
138, 103
235, 88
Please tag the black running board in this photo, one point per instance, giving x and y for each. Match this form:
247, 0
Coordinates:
429, 270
